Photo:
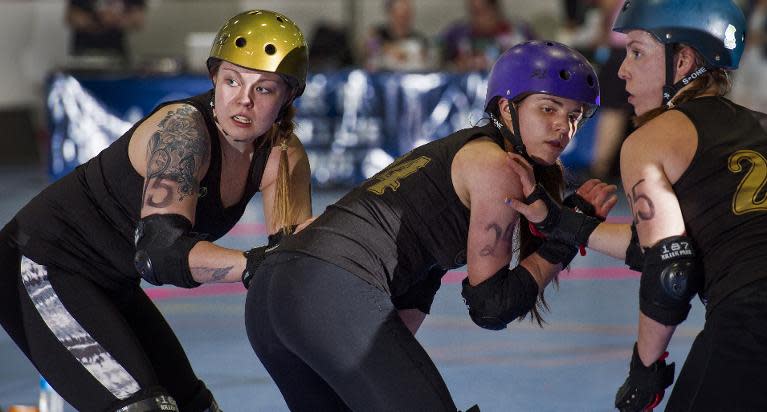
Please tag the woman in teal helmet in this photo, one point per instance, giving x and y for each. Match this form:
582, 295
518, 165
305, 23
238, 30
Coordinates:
694, 174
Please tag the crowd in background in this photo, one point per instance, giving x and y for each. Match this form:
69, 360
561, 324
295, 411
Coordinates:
487, 29
471, 43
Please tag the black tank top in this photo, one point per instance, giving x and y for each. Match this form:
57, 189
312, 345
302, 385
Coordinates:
398, 224
84, 222
722, 194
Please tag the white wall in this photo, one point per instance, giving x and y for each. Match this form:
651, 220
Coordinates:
34, 39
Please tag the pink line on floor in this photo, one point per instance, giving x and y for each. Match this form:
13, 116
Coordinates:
221, 289
248, 229
619, 219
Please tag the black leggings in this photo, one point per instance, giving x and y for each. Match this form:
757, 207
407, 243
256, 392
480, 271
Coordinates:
100, 350
726, 368
333, 342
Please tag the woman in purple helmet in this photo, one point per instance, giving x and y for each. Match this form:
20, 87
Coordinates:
332, 312
694, 173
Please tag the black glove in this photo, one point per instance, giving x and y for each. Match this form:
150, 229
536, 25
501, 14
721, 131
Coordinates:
579, 204
562, 223
254, 257
645, 386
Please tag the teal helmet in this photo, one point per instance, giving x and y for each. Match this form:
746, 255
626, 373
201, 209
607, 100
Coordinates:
715, 28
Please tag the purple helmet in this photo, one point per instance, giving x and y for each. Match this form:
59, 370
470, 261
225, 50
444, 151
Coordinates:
544, 67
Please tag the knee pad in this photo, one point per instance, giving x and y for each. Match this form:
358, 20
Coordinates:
670, 278
157, 403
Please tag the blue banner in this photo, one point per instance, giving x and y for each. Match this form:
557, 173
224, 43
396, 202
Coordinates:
352, 123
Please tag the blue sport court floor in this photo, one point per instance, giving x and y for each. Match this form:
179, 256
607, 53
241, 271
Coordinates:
575, 363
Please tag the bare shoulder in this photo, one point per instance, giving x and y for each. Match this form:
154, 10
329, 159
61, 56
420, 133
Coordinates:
481, 168
670, 141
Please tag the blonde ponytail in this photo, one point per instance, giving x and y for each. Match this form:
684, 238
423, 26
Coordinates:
280, 135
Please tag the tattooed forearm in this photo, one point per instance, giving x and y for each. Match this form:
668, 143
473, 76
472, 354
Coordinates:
175, 153
214, 274
505, 236
642, 207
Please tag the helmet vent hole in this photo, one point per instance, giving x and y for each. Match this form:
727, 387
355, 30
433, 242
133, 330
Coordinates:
240, 42
270, 49
279, 19
564, 74
590, 81
548, 43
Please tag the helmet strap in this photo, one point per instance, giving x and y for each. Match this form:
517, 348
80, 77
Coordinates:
515, 137
670, 89
215, 118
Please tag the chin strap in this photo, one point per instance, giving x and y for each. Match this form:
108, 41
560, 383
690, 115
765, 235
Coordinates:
514, 138
670, 89
215, 118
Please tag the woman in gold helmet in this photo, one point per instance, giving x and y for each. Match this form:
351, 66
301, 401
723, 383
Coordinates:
149, 207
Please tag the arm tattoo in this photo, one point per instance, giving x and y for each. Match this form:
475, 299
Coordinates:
215, 274
505, 236
642, 207
175, 153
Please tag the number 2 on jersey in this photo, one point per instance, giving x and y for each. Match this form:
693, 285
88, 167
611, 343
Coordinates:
747, 198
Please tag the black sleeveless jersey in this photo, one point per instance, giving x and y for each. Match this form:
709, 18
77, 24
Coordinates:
398, 224
84, 223
722, 194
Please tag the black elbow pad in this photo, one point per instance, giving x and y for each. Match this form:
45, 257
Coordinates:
670, 278
505, 296
162, 244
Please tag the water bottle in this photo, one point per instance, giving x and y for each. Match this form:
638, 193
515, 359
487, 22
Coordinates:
50, 401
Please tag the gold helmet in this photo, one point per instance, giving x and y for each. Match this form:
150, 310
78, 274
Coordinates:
263, 40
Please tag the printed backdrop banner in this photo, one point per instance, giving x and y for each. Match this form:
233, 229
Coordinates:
352, 123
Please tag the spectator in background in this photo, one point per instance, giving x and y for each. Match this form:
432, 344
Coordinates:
753, 65
329, 48
99, 26
396, 45
475, 44
613, 122
582, 25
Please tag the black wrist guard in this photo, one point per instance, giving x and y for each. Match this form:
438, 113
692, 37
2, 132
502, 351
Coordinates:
645, 386
579, 204
562, 223
634, 252
670, 278
555, 252
254, 257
